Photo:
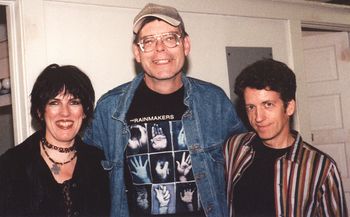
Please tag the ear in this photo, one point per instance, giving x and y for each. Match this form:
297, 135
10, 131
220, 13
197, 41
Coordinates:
187, 45
137, 53
290, 107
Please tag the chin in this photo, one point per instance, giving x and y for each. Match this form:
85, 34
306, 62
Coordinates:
67, 137
264, 136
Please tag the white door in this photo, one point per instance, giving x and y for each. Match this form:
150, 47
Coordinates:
327, 68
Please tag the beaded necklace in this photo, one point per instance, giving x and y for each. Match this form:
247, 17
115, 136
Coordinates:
56, 166
60, 149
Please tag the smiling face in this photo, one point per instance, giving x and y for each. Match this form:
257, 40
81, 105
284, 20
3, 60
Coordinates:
163, 65
63, 117
268, 115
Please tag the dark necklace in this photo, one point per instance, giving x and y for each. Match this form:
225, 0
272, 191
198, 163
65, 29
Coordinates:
55, 169
60, 149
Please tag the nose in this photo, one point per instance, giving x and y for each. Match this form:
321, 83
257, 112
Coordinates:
160, 45
259, 115
65, 110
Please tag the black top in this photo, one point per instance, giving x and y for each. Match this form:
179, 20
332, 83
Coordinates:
155, 185
28, 188
147, 102
254, 192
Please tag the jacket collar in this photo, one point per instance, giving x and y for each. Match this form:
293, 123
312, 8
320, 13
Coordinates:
187, 87
128, 91
126, 96
293, 154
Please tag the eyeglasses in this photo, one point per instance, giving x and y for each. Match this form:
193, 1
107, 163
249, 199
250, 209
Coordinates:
169, 39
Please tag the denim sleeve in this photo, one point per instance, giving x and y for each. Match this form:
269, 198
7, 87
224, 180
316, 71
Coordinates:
234, 122
94, 133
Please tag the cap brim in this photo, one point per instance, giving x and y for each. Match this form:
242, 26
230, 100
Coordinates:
170, 20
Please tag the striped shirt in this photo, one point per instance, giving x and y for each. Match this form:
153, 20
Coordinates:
307, 181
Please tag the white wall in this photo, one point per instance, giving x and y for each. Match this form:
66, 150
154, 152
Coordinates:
96, 36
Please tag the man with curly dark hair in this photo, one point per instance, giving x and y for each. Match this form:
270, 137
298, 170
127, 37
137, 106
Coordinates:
272, 171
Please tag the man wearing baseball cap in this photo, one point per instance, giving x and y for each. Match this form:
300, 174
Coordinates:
163, 132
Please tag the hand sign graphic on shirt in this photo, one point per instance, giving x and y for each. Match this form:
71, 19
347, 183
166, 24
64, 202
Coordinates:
163, 197
138, 136
187, 197
140, 169
142, 198
158, 140
184, 167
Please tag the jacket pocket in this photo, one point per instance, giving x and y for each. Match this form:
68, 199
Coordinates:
215, 162
215, 153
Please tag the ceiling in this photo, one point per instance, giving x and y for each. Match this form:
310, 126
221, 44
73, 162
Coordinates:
339, 2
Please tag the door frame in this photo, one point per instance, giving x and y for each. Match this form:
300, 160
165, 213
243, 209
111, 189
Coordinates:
306, 120
17, 76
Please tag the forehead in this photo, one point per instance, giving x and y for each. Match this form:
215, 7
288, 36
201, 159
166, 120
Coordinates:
256, 96
157, 27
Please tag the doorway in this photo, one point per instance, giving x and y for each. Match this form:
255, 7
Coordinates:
327, 67
6, 117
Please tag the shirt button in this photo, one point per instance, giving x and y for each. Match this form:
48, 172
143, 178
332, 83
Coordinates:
74, 185
76, 213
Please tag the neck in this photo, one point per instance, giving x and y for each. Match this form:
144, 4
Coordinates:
281, 143
63, 144
166, 86
57, 148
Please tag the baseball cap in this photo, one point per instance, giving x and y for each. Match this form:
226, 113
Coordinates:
165, 13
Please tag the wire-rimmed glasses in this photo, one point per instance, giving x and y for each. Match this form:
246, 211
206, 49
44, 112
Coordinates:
169, 39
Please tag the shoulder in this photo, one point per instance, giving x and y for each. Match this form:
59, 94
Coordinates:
90, 158
91, 152
24, 149
243, 138
206, 93
237, 140
118, 96
113, 93
200, 85
309, 155
316, 153
109, 101
16, 159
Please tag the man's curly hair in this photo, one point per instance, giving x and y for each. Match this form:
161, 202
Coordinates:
267, 74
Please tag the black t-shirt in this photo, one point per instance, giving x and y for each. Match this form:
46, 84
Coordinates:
158, 173
254, 192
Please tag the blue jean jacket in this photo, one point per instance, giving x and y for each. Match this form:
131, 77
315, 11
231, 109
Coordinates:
209, 120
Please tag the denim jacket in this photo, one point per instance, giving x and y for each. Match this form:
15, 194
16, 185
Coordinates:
208, 121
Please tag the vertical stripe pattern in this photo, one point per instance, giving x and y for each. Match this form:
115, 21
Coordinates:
307, 181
